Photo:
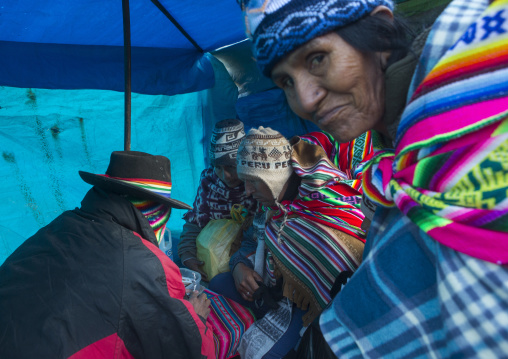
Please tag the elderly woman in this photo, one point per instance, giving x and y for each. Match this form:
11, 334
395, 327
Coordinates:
434, 270
219, 189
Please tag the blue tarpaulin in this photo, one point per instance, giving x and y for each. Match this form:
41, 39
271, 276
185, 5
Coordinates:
47, 136
61, 111
68, 44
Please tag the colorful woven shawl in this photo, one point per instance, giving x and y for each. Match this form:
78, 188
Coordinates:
157, 215
449, 172
229, 321
320, 236
349, 157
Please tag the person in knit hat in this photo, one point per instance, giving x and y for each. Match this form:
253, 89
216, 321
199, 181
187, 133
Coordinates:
219, 189
330, 57
436, 105
306, 234
263, 164
343, 65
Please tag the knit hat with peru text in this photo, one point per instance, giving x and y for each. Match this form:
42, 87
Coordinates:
265, 154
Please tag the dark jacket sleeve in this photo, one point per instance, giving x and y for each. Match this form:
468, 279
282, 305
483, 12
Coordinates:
155, 311
187, 246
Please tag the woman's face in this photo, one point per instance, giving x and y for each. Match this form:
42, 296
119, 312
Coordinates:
333, 85
228, 175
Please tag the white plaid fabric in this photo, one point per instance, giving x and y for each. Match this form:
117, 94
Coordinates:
474, 305
443, 304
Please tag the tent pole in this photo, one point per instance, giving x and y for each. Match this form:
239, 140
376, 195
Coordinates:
177, 25
127, 68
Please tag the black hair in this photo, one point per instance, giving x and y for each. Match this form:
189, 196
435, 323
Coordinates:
378, 34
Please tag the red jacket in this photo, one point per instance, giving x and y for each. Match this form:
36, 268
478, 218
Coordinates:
93, 284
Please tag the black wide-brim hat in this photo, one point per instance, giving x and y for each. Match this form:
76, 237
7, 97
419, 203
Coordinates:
135, 165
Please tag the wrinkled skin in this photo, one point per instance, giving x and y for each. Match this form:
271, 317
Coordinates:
335, 86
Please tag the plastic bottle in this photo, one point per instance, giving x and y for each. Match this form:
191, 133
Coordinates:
166, 245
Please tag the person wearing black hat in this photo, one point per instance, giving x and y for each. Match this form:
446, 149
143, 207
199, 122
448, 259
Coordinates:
93, 282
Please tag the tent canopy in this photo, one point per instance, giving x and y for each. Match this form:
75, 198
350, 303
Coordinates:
61, 68
69, 44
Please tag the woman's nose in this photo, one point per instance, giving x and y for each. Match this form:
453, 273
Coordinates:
309, 93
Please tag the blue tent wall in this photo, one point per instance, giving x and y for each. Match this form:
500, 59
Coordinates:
53, 135
47, 136
51, 126
270, 109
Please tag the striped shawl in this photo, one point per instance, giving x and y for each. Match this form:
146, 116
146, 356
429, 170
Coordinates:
321, 235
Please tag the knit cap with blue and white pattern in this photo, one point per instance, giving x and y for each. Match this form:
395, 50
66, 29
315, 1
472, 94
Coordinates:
277, 27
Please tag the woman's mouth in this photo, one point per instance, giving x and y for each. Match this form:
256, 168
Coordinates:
324, 118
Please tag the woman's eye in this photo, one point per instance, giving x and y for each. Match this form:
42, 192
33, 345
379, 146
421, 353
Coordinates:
287, 82
316, 61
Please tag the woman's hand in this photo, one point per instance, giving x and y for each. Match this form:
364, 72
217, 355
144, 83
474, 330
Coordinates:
246, 281
195, 265
200, 303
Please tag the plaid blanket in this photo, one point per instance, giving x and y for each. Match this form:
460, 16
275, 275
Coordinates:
414, 297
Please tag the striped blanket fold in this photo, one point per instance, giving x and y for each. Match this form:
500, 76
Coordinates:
229, 321
321, 235
449, 171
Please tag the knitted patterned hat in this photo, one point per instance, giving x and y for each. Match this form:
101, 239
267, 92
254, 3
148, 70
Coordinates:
277, 27
226, 138
265, 153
